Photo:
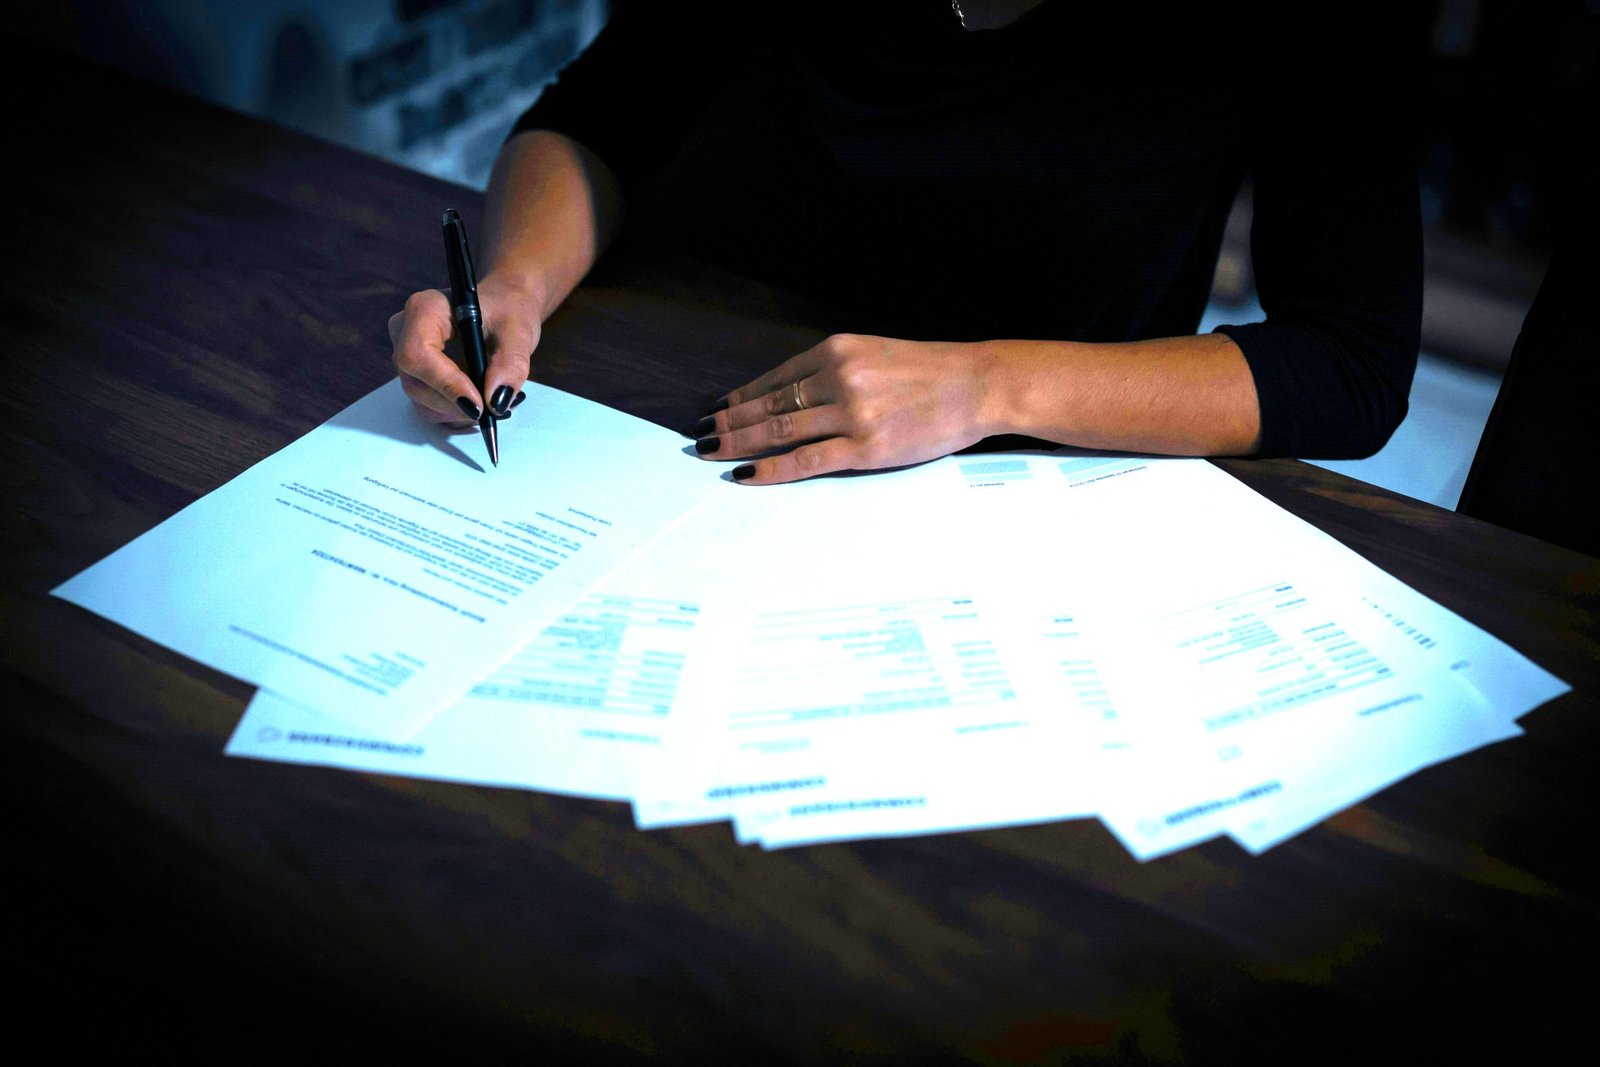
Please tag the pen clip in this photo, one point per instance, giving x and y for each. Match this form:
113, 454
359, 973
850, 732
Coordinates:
458, 257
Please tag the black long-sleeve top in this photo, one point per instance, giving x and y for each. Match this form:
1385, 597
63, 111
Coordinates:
1067, 177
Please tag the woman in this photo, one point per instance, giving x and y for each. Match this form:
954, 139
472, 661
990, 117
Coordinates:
1026, 209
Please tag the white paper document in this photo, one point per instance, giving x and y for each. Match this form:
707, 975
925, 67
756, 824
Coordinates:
1505, 680
580, 708
883, 658
1210, 665
978, 641
374, 570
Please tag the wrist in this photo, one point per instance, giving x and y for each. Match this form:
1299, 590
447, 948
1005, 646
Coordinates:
525, 290
1006, 388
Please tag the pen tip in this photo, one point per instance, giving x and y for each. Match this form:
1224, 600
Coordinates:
491, 437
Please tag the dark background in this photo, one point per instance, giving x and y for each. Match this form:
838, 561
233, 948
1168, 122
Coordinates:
1505, 109
1504, 117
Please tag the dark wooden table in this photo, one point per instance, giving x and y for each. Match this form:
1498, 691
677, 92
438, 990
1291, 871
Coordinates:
188, 290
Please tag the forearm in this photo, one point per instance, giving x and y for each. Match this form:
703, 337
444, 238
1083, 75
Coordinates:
551, 207
857, 402
1173, 396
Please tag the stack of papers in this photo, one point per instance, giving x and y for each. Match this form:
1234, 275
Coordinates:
978, 641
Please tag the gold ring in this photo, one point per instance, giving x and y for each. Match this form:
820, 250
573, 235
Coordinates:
799, 405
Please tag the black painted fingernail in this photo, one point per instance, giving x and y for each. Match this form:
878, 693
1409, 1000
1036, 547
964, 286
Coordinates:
703, 427
506, 414
720, 405
468, 408
501, 401
707, 444
743, 471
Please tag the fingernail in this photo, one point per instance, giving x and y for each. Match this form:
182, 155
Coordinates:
506, 414
720, 405
501, 401
468, 408
743, 471
703, 427
707, 444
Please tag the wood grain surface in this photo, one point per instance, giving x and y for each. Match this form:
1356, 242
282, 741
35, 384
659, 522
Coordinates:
188, 290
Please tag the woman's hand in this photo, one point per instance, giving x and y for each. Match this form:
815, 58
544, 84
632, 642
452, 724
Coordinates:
428, 361
853, 403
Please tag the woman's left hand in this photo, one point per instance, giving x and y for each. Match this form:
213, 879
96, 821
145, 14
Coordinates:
853, 403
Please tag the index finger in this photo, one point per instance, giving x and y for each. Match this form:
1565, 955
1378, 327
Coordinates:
419, 352
511, 340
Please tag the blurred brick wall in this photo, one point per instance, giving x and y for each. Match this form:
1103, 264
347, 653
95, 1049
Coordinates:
431, 84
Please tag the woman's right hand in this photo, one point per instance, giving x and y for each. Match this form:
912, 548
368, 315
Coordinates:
429, 361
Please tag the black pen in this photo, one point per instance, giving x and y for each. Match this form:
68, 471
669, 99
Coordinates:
468, 318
